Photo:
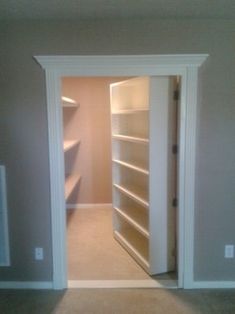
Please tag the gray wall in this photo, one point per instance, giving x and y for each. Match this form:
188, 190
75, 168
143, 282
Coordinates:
24, 144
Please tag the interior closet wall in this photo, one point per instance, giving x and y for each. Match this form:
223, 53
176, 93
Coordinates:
90, 123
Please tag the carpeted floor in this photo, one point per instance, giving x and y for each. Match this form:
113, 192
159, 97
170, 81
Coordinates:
93, 254
118, 301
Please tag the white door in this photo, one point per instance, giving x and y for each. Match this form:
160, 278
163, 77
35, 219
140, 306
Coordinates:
142, 132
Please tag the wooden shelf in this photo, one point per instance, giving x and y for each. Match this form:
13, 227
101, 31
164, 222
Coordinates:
131, 166
133, 246
136, 220
70, 184
135, 193
70, 144
130, 111
68, 102
130, 138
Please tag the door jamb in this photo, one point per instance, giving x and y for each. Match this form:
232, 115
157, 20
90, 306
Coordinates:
185, 66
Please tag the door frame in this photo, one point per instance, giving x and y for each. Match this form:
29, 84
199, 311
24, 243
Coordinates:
185, 66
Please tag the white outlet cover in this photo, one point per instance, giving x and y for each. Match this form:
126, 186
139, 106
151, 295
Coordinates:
229, 251
38, 253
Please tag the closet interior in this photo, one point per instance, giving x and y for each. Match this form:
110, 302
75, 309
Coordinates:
118, 139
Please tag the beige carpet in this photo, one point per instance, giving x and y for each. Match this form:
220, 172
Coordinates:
118, 301
93, 254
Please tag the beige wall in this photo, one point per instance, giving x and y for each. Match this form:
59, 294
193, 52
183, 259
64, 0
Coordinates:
91, 124
23, 128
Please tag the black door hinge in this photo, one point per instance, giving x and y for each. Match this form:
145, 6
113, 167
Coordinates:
175, 149
175, 202
176, 95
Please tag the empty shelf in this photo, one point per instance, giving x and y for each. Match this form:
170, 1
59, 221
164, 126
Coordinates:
131, 138
131, 166
135, 220
130, 111
135, 193
134, 246
69, 144
68, 102
70, 184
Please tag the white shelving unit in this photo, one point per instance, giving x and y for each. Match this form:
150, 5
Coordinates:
141, 211
71, 180
133, 166
133, 139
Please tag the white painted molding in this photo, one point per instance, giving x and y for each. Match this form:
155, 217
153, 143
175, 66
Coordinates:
185, 66
169, 284
26, 285
56, 159
148, 283
189, 145
91, 206
69, 62
213, 285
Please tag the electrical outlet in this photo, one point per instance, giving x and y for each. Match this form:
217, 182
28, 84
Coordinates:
229, 251
38, 253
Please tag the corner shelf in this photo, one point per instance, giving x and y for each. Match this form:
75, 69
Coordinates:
70, 183
70, 144
68, 102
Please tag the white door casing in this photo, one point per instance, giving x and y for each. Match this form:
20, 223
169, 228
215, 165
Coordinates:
185, 66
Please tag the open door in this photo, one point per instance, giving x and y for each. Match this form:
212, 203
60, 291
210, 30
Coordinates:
142, 138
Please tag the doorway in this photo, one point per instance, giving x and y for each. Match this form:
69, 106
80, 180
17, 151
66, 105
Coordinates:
185, 66
88, 162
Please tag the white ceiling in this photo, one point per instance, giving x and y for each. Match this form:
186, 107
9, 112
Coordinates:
96, 9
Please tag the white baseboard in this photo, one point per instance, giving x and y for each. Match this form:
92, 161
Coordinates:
148, 283
95, 206
167, 284
213, 285
26, 285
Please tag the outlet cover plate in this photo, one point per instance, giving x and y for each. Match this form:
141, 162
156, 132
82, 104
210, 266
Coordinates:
38, 253
229, 251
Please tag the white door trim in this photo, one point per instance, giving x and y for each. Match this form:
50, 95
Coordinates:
185, 66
